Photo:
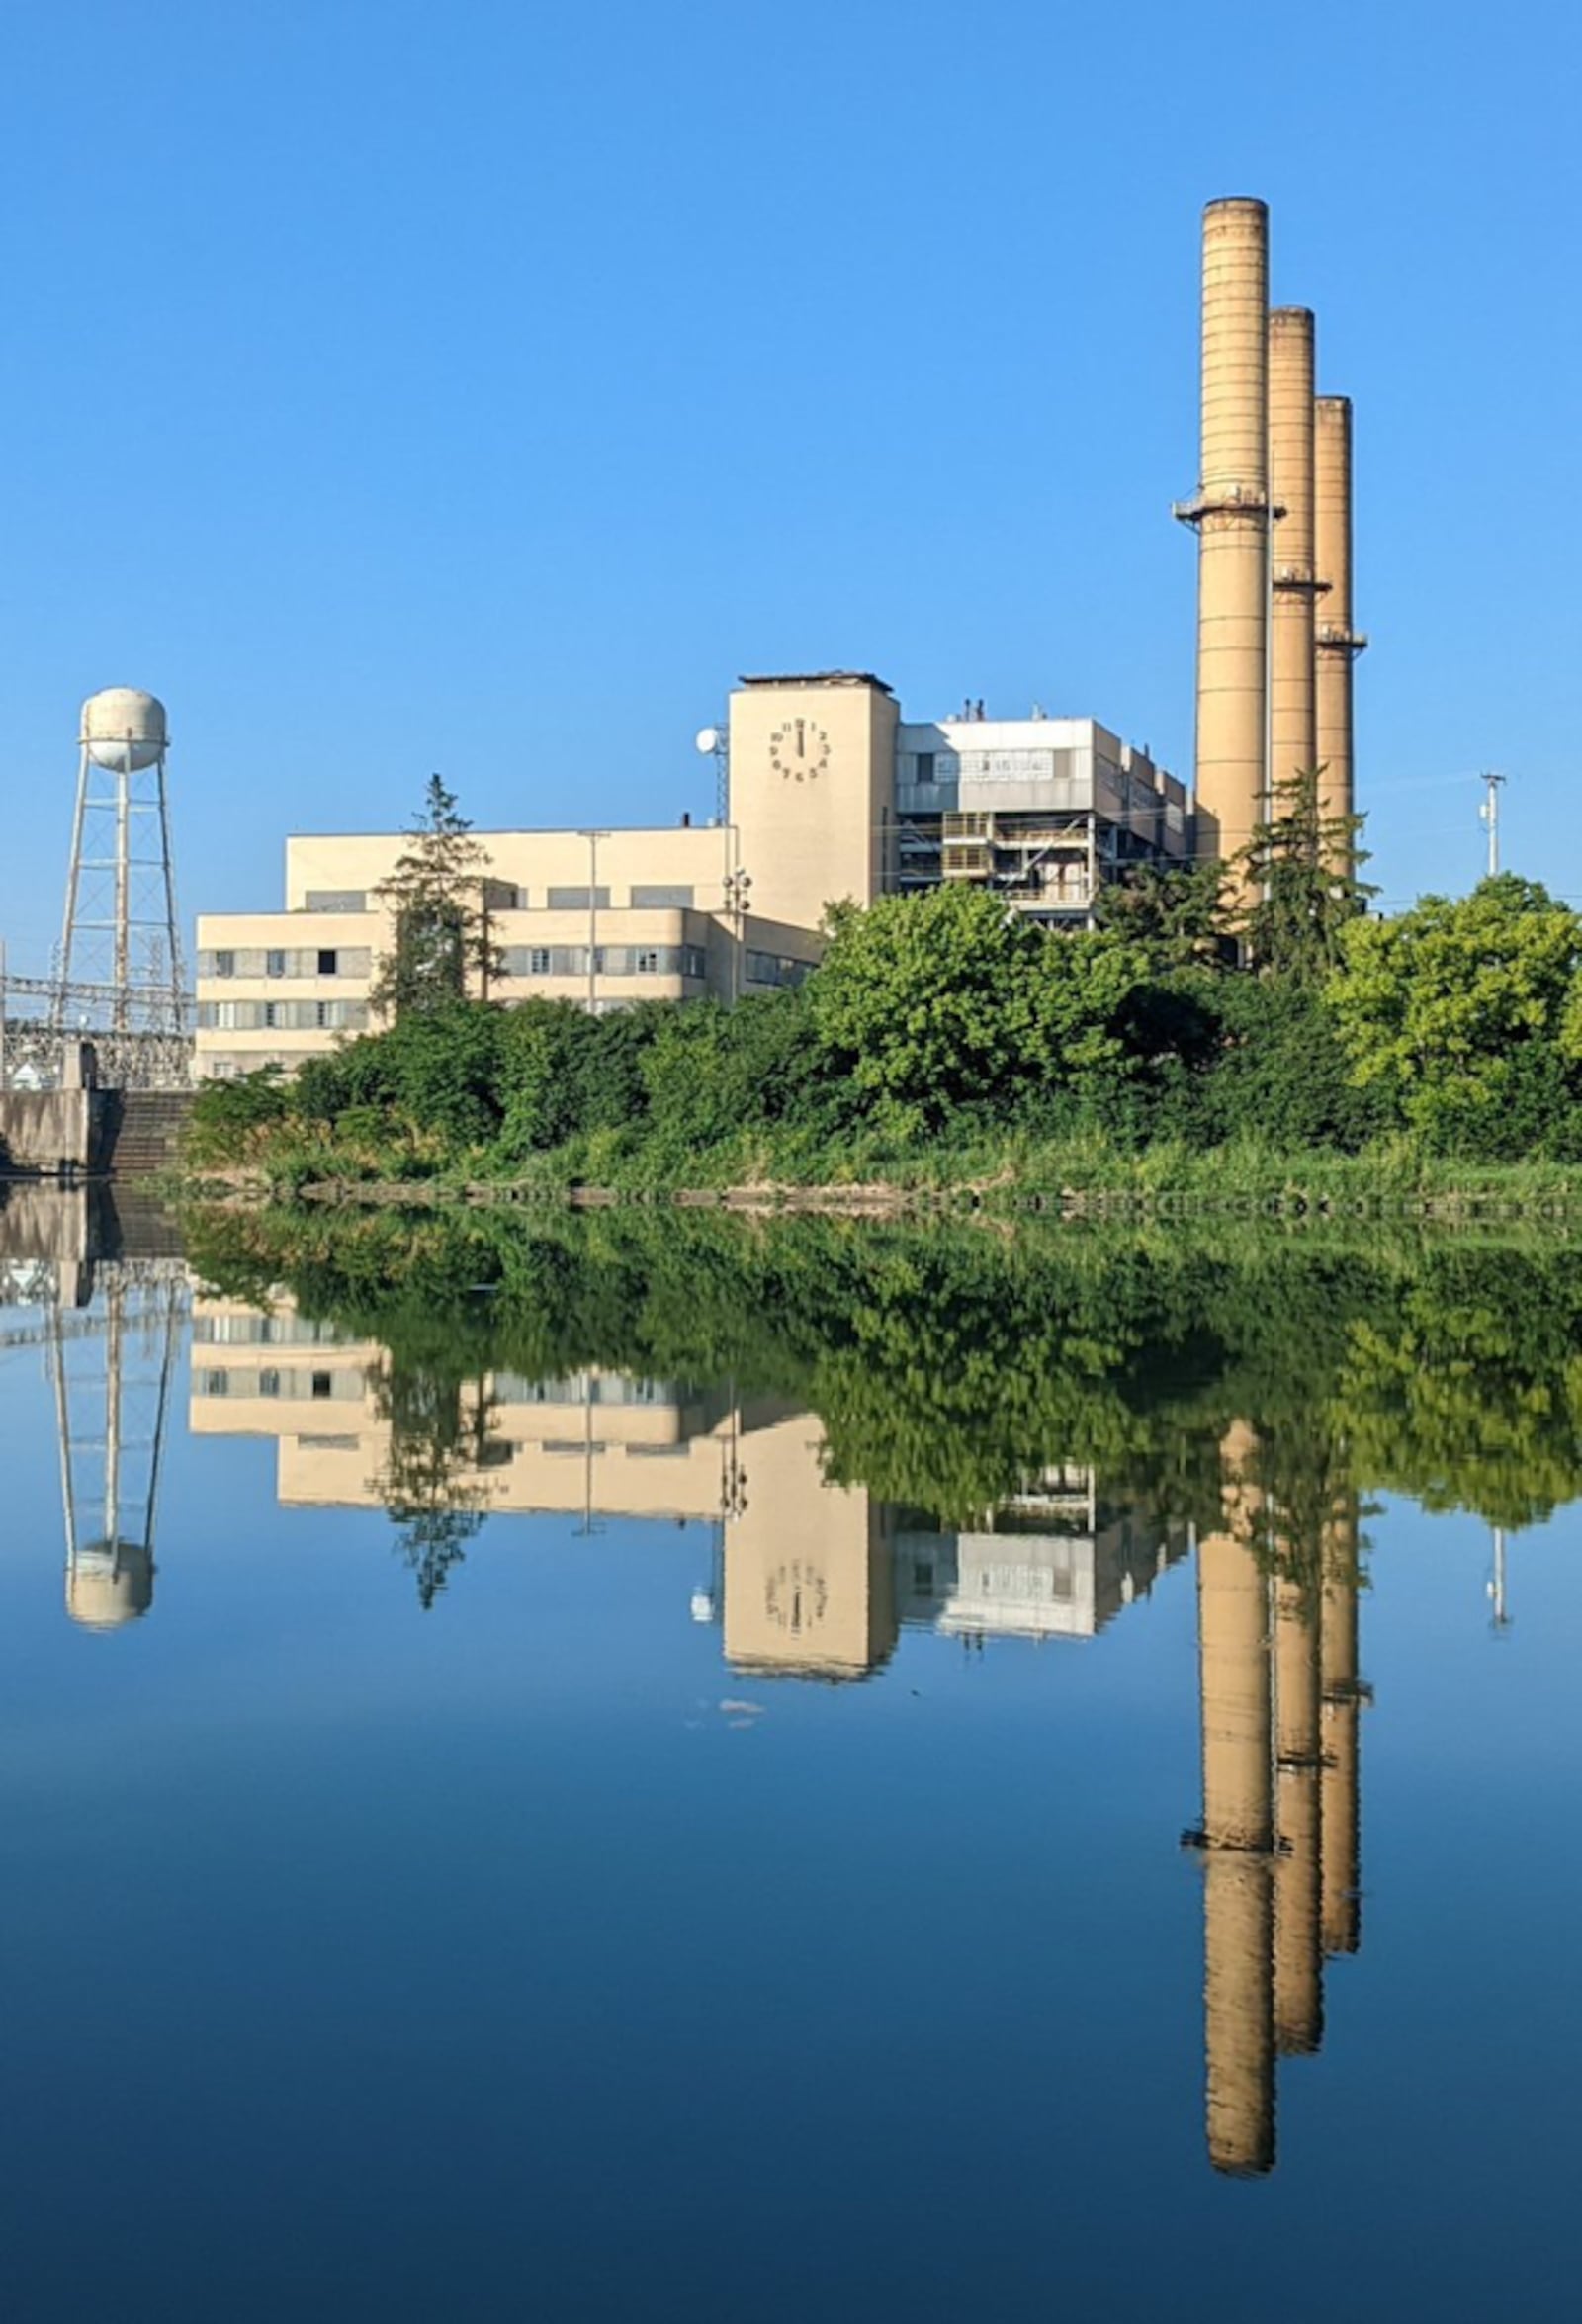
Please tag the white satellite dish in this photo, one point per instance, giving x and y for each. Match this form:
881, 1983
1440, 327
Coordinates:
708, 740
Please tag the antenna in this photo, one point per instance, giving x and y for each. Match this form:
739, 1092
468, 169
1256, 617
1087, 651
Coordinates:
715, 743
1489, 812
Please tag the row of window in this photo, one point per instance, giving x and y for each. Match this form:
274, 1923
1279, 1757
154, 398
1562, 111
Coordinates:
309, 960
768, 968
318, 1387
609, 959
295, 1016
501, 896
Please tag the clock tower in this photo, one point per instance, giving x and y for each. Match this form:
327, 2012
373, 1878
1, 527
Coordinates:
813, 790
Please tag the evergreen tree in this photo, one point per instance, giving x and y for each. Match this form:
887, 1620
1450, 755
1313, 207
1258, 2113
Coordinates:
436, 897
1301, 870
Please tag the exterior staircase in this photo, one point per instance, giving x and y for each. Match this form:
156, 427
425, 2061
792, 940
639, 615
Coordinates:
146, 1133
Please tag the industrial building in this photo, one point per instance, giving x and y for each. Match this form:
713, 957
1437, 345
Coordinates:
833, 794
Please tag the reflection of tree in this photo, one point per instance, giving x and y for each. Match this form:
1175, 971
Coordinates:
946, 1361
432, 1482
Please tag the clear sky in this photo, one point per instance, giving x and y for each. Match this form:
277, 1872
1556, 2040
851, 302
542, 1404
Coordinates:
396, 386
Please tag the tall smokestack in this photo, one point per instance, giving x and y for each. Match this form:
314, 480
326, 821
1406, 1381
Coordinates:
1231, 517
1293, 738
1233, 1645
1298, 1944
1342, 1849
1336, 643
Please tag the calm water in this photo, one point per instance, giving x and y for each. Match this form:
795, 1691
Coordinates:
630, 1773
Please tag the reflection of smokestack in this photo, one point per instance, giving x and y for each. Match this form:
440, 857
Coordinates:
1293, 741
1231, 515
1237, 1835
1342, 1776
1298, 1951
1336, 645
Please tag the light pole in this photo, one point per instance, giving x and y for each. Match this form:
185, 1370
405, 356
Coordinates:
738, 888
1490, 813
593, 839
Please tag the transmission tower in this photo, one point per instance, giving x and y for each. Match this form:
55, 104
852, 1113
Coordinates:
121, 936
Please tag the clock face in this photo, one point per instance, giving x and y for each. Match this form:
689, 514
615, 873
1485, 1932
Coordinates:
795, 1596
799, 750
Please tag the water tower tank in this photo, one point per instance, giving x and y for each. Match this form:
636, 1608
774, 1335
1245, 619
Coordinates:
111, 1583
122, 729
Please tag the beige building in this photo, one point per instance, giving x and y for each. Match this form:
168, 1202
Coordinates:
833, 796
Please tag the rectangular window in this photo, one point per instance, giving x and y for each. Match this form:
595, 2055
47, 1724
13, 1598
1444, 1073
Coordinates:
224, 963
663, 898
269, 1383
577, 899
322, 1384
328, 963
274, 964
271, 1014
924, 766
336, 899
646, 961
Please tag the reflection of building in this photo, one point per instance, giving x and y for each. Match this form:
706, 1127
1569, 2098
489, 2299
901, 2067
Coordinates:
814, 1579
1280, 1700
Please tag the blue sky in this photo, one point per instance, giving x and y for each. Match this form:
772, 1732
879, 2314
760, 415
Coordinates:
482, 387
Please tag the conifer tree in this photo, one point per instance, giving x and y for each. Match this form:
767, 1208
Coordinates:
437, 899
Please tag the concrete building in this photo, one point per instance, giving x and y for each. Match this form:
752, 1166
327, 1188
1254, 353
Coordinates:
833, 798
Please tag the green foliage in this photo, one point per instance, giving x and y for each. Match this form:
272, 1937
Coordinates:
1301, 869
436, 899
227, 1117
1462, 1015
1174, 916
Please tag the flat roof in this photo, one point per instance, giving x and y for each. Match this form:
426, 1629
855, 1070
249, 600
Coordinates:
820, 679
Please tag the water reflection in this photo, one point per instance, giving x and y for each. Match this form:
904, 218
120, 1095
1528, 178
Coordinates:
1190, 1422
108, 1295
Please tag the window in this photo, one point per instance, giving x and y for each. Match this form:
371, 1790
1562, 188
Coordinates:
578, 899
322, 1384
646, 961
663, 898
274, 964
336, 899
924, 766
269, 1383
328, 963
224, 963
216, 1384
271, 1014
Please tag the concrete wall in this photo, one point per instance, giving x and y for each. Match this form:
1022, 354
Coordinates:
52, 1132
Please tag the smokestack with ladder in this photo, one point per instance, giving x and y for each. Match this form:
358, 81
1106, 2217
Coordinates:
1336, 643
1293, 736
1230, 514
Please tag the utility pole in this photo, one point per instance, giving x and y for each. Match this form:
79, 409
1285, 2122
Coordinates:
1490, 813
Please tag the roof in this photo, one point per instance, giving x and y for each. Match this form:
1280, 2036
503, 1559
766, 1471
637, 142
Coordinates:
821, 678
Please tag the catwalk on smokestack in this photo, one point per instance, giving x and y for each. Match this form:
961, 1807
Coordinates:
1231, 514
1293, 722
1336, 643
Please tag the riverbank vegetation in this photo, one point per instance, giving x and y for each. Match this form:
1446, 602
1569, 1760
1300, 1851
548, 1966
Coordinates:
946, 1042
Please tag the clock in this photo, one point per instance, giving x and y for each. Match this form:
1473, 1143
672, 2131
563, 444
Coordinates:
795, 1596
799, 750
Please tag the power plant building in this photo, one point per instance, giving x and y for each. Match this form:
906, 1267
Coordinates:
836, 795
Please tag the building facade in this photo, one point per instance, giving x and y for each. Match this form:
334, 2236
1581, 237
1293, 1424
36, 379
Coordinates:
833, 798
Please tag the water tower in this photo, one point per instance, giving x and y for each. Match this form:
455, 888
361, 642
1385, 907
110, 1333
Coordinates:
120, 933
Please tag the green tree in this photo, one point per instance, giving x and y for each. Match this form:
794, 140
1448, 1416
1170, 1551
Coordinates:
436, 897
939, 1001
1175, 915
1301, 870
1465, 1013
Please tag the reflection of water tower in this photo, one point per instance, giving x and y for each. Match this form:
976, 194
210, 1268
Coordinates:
120, 928
112, 1390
